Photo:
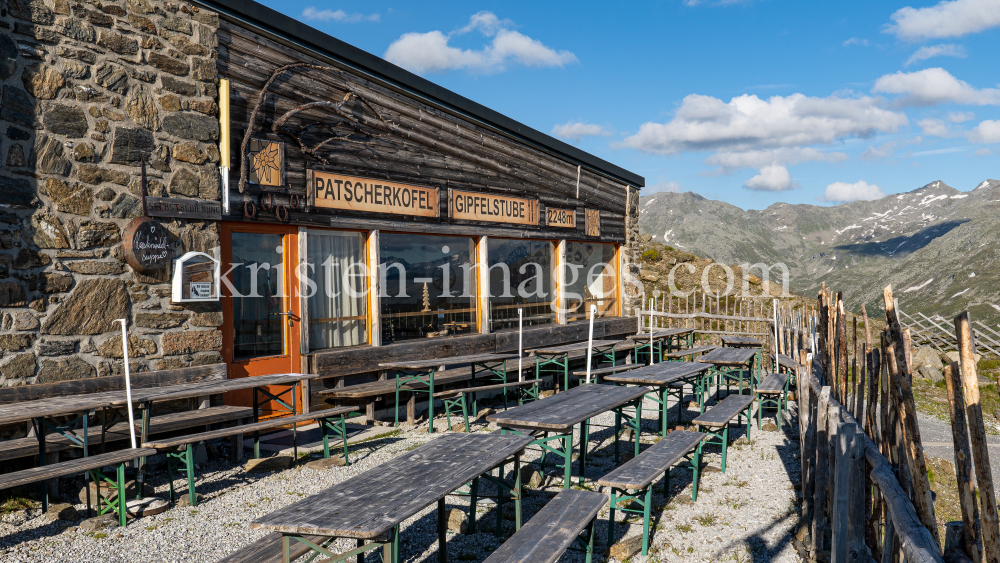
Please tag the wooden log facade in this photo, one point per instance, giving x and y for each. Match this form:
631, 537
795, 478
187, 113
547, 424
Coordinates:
237, 122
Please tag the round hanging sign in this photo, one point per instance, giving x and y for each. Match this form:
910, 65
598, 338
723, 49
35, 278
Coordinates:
147, 245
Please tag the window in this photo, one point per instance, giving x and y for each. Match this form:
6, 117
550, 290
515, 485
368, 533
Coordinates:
258, 296
337, 307
427, 286
590, 278
521, 276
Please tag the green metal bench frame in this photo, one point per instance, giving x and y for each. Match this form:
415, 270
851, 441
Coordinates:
458, 404
779, 401
184, 455
644, 498
561, 363
403, 377
722, 437
660, 345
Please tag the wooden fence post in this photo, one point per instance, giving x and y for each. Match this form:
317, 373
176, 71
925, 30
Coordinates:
981, 456
820, 475
899, 369
971, 533
848, 541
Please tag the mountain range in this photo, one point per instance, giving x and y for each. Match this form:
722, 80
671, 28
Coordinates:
939, 247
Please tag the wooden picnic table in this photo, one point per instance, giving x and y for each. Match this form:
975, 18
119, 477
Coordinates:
371, 506
741, 342
40, 411
558, 356
665, 376
662, 340
560, 413
729, 364
417, 376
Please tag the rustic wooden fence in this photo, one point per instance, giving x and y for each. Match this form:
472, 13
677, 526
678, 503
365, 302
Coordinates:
711, 316
866, 495
933, 331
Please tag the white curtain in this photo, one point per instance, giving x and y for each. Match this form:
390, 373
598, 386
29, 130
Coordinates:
332, 255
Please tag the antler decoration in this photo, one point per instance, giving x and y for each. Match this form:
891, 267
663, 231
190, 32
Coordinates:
349, 120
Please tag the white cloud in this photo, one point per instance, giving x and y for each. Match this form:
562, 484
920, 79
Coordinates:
749, 123
953, 18
341, 16
672, 186
576, 130
859, 191
982, 152
856, 41
934, 127
885, 150
986, 132
430, 52
729, 162
930, 51
773, 178
960, 116
934, 86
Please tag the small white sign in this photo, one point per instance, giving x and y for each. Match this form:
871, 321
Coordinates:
201, 290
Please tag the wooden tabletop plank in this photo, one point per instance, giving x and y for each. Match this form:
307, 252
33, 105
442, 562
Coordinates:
555, 527
773, 383
689, 352
268, 549
741, 341
784, 361
215, 387
722, 413
648, 466
55, 406
663, 333
245, 428
610, 369
661, 374
73, 467
449, 361
561, 349
562, 411
728, 356
372, 503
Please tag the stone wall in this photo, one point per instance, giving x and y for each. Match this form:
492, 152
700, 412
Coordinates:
87, 90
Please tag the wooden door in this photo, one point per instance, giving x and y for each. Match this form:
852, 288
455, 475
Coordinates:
260, 306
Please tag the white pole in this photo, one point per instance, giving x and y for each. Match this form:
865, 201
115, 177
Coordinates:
520, 343
775, 334
128, 384
651, 336
590, 339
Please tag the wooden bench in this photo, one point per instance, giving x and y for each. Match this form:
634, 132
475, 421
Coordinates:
331, 421
162, 424
268, 549
641, 471
773, 391
692, 352
715, 421
454, 399
91, 465
552, 530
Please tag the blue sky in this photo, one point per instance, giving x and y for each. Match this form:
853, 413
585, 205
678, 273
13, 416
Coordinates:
747, 101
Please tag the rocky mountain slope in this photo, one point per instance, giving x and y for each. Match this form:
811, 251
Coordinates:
939, 247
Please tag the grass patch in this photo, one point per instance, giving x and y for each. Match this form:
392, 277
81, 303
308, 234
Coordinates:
932, 399
707, 520
684, 527
15, 504
941, 474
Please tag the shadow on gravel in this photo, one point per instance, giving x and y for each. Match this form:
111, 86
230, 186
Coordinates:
757, 546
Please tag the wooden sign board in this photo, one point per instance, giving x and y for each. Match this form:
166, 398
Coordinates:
561, 218
593, 223
477, 206
183, 208
146, 244
333, 191
267, 162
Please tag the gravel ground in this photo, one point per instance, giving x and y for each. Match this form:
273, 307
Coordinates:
745, 515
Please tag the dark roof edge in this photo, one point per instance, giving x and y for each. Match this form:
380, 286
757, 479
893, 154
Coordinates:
294, 31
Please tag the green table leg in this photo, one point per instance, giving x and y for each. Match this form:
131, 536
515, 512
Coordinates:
122, 517
568, 464
645, 520
442, 532
517, 492
584, 437
473, 499
590, 540
611, 517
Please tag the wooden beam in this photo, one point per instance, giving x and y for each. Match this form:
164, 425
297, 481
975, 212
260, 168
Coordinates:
971, 532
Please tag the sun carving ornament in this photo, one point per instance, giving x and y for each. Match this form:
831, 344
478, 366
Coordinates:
266, 162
